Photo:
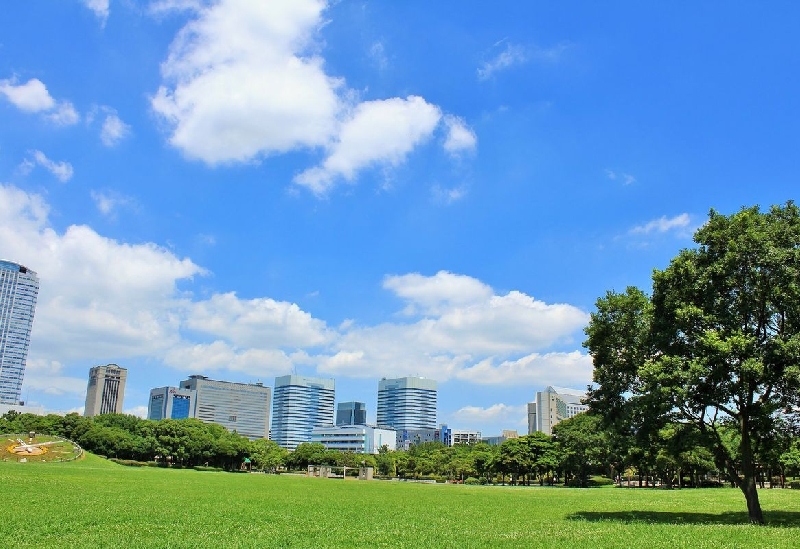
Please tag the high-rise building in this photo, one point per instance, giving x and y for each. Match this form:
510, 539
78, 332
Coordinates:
19, 287
407, 403
553, 405
301, 403
351, 413
171, 403
106, 390
359, 439
240, 407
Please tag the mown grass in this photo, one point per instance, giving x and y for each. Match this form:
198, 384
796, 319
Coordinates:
94, 503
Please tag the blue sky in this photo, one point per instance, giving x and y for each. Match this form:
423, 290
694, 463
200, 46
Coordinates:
245, 189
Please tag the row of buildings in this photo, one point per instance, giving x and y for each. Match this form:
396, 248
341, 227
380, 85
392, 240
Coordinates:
302, 410
298, 409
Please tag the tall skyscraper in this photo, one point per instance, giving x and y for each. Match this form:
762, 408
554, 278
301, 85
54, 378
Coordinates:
301, 403
240, 407
106, 390
351, 413
19, 287
407, 403
553, 405
171, 403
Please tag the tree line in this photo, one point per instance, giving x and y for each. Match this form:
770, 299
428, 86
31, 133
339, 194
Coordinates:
580, 451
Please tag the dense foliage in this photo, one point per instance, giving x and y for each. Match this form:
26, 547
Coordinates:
711, 361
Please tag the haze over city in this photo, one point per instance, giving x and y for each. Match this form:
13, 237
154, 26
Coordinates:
245, 189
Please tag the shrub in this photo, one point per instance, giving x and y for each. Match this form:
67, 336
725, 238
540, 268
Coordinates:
472, 481
205, 468
795, 485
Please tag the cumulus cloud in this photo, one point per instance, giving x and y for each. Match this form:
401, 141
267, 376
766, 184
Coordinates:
33, 97
460, 137
245, 80
663, 224
463, 330
241, 81
113, 130
382, 131
99, 7
478, 417
29, 97
61, 170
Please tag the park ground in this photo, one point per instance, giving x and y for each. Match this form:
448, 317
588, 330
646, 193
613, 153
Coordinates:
96, 503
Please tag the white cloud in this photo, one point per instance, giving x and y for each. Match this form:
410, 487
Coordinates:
466, 331
257, 322
625, 178
108, 202
161, 7
100, 9
476, 417
383, 131
240, 82
62, 170
33, 96
460, 137
138, 411
510, 56
378, 55
244, 80
29, 97
663, 224
102, 300
448, 196
114, 130
514, 54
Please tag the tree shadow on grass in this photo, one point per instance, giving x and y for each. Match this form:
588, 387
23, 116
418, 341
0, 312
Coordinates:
780, 519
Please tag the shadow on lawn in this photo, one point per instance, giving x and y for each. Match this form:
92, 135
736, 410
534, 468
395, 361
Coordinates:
784, 519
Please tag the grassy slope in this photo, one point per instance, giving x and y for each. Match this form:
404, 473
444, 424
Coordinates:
93, 503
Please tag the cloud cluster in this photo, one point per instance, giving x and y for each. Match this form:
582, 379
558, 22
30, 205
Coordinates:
33, 97
102, 300
100, 9
244, 80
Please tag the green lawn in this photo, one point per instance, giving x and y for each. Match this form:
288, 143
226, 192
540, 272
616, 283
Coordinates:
94, 503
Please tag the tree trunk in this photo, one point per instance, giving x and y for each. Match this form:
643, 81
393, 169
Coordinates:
748, 483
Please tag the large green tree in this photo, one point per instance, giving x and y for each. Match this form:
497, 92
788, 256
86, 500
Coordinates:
717, 344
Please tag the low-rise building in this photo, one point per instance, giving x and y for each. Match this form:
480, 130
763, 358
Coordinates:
359, 439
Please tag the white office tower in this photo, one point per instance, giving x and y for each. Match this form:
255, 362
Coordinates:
300, 404
106, 390
240, 407
19, 287
407, 403
553, 405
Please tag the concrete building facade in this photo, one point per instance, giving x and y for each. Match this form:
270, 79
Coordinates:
553, 405
300, 404
19, 289
106, 390
240, 407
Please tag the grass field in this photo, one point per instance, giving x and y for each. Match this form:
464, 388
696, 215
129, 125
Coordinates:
94, 503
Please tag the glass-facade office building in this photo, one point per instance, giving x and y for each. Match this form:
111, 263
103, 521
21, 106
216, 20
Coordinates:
240, 407
19, 288
351, 413
300, 404
171, 403
407, 403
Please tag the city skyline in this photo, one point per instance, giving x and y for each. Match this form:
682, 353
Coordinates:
251, 189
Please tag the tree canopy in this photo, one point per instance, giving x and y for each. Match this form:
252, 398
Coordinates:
717, 345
